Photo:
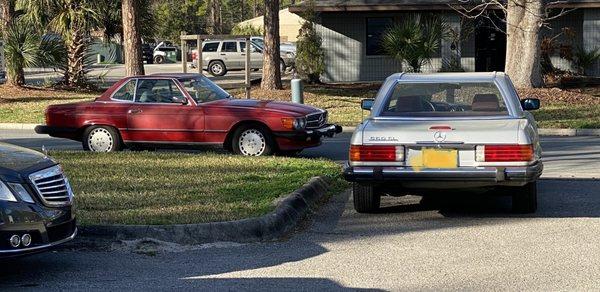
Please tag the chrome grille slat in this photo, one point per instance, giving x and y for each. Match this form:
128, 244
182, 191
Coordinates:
54, 192
49, 182
56, 197
61, 185
52, 186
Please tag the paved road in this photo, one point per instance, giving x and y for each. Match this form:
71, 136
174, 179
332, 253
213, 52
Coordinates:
564, 157
466, 241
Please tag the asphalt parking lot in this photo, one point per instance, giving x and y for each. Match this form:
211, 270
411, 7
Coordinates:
464, 241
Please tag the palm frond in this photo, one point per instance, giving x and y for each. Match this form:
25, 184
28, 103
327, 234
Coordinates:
415, 40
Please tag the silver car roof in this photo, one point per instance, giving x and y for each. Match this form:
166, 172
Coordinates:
454, 77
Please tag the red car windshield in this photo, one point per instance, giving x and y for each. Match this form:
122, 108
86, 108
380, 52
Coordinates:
202, 90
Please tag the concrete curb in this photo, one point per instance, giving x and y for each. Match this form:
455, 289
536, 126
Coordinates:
274, 225
17, 126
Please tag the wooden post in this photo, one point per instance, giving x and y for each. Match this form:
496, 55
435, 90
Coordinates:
199, 54
183, 55
248, 67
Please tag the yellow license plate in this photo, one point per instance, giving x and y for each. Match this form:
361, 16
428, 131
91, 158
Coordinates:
440, 158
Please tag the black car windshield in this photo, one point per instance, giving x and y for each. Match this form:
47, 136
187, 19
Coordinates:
202, 90
445, 100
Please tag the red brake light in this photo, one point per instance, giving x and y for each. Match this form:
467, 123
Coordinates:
508, 153
376, 153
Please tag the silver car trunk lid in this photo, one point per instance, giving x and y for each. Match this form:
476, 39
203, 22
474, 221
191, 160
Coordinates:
463, 131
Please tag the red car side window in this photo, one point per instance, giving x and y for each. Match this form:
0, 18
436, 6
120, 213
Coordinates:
126, 92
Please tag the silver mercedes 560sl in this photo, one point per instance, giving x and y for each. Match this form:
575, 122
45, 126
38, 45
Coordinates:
443, 131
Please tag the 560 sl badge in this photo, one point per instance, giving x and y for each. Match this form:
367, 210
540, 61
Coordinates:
383, 139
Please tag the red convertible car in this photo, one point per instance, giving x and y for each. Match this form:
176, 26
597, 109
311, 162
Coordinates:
186, 109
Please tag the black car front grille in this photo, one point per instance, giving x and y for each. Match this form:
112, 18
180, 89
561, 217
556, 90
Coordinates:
314, 121
52, 186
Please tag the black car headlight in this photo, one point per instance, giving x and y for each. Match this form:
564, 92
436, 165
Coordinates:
21, 192
6, 194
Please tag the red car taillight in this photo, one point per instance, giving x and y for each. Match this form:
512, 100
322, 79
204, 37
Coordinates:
376, 153
504, 153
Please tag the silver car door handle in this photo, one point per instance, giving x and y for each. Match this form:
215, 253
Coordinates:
134, 111
223, 54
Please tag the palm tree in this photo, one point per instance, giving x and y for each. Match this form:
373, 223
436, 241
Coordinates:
584, 59
415, 40
72, 20
25, 47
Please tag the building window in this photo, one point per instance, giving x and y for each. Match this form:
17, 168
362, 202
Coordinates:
375, 28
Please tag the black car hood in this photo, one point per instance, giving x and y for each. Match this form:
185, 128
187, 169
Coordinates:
18, 159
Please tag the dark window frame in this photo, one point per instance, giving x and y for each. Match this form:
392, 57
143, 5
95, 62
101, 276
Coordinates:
375, 49
235, 47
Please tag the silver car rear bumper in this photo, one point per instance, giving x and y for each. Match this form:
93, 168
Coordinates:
467, 174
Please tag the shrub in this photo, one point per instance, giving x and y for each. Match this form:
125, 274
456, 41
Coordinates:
310, 56
247, 29
584, 59
415, 40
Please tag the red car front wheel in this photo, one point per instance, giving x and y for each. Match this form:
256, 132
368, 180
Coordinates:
252, 141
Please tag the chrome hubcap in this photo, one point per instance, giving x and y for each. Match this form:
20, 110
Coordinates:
100, 140
216, 68
252, 143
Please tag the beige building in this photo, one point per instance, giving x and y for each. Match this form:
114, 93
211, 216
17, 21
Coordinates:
289, 24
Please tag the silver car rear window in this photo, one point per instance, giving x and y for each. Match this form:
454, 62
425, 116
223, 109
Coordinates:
444, 100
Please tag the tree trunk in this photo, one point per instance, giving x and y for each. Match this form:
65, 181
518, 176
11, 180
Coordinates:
524, 22
75, 74
271, 78
134, 65
215, 17
7, 12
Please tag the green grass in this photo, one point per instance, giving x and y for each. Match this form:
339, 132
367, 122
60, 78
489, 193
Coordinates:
30, 109
564, 115
178, 188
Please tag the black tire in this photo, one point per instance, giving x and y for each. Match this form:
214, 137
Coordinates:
212, 68
269, 143
366, 198
159, 59
115, 138
524, 199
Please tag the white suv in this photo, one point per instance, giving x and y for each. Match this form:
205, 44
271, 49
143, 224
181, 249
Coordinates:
221, 56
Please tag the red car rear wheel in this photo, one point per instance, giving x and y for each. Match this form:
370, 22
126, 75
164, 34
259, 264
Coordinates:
101, 139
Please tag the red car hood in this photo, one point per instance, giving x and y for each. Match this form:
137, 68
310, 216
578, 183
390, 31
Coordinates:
286, 107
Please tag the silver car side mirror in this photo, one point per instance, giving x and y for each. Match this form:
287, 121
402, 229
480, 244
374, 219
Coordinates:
530, 104
367, 104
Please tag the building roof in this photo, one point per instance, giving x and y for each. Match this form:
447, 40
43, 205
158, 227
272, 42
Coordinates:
399, 5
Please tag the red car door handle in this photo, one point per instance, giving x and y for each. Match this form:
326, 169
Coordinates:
134, 111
